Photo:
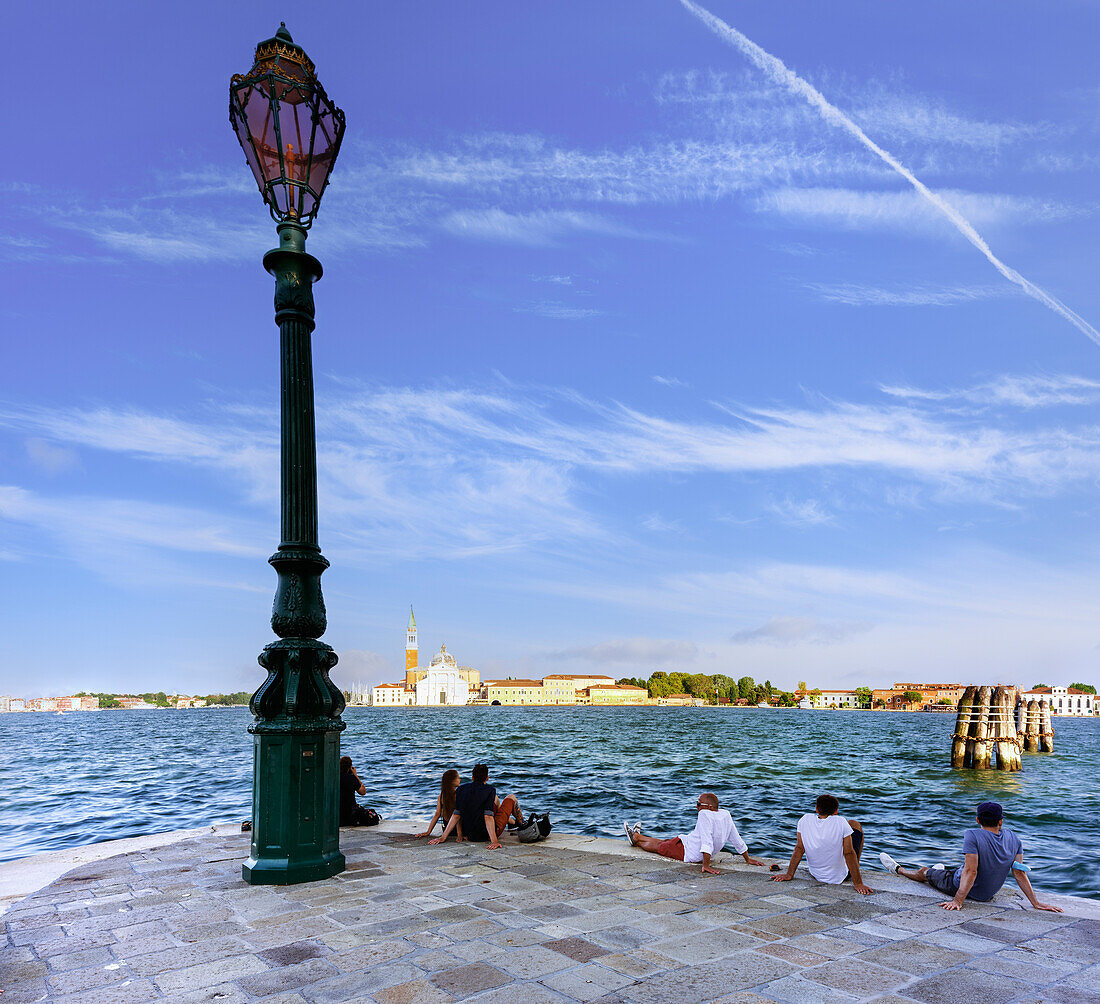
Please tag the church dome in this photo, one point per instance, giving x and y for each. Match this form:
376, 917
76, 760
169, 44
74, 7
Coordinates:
444, 659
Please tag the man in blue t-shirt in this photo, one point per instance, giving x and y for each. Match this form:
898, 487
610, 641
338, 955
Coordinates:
991, 851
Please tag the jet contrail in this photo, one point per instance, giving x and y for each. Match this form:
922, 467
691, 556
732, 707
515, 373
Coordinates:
781, 74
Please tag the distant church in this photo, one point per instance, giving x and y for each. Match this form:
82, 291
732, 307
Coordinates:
442, 682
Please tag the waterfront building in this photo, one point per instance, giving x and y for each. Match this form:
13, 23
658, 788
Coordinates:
583, 682
5, 703
676, 701
559, 690
837, 699
17, 704
933, 693
615, 693
1065, 700
513, 692
392, 695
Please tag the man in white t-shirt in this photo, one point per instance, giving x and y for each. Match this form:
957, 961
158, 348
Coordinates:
831, 844
714, 828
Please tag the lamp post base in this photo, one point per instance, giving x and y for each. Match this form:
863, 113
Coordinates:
295, 829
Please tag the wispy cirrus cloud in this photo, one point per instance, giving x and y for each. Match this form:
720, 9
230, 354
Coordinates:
512, 469
557, 310
538, 229
97, 523
51, 458
861, 209
1011, 391
798, 631
857, 295
735, 103
802, 512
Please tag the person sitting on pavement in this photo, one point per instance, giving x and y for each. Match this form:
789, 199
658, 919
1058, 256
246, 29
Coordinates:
351, 812
831, 844
714, 828
990, 852
480, 813
445, 803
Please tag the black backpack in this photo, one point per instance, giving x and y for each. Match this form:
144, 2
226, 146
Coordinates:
535, 828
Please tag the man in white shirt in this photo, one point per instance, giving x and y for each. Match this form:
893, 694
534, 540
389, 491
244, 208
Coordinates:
832, 846
713, 830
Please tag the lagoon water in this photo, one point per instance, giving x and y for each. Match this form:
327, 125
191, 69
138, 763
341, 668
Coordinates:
84, 777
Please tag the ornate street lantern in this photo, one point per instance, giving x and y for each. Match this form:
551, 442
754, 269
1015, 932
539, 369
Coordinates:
288, 127
291, 133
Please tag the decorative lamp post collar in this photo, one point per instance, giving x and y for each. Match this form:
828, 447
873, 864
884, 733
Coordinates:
288, 127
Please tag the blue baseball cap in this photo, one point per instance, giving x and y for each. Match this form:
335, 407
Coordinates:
990, 813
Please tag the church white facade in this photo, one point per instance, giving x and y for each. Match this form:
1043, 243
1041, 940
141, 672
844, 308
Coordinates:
443, 684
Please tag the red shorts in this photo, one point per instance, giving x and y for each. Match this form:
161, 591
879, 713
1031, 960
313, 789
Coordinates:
671, 848
503, 814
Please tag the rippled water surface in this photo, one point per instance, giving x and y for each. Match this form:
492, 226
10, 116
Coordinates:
80, 778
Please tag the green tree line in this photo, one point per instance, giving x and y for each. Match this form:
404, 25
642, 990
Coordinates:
711, 687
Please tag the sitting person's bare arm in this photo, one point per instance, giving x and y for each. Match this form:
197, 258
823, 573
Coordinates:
796, 857
1025, 884
452, 823
435, 819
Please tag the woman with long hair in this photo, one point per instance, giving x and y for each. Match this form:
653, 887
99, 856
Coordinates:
445, 804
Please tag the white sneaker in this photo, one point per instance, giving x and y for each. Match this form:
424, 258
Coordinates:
629, 831
888, 863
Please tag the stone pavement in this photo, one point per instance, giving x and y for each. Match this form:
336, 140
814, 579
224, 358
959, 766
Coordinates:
571, 919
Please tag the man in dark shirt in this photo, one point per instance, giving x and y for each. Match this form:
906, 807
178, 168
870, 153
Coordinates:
351, 812
991, 851
479, 814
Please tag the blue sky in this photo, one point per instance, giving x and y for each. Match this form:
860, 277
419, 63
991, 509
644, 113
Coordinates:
628, 357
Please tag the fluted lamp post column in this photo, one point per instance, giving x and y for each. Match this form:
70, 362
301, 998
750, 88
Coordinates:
290, 132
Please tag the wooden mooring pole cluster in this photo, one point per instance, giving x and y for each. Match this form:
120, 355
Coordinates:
989, 721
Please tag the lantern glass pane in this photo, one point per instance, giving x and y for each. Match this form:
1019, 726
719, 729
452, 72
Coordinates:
326, 143
261, 127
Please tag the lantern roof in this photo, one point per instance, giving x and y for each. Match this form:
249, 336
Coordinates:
278, 51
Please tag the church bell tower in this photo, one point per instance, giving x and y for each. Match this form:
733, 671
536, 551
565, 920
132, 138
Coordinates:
412, 655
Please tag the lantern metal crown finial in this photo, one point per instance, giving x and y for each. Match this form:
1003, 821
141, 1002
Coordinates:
288, 127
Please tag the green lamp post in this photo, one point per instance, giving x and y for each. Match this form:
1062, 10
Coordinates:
291, 133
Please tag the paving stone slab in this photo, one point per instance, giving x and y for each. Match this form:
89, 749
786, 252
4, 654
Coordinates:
914, 957
856, 976
692, 984
467, 980
704, 947
579, 949
797, 990
414, 992
587, 982
957, 985
532, 962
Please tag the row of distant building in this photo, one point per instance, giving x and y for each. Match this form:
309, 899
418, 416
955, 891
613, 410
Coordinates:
932, 696
85, 703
